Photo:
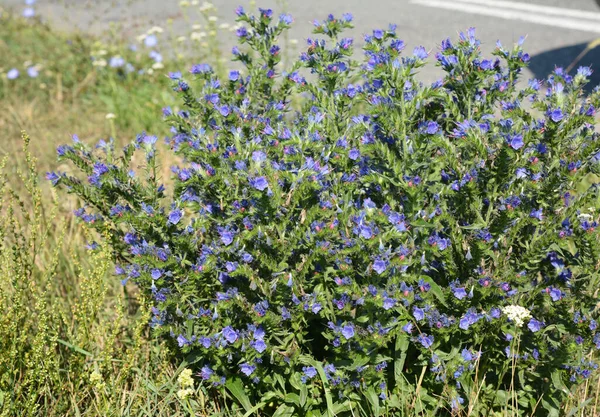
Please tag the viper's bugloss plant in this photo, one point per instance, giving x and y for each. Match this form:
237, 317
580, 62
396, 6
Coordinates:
341, 237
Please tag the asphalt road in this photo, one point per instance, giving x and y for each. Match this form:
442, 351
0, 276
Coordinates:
557, 30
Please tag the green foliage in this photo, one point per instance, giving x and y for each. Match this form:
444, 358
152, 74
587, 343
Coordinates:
385, 241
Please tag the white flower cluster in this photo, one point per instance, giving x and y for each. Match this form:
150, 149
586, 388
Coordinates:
186, 382
517, 314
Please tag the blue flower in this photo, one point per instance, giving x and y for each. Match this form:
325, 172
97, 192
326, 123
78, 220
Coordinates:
182, 341
230, 334
259, 156
584, 71
175, 216
309, 373
226, 236
155, 56
28, 12
12, 74
260, 183
378, 34
429, 127
354, 154
53, 177
388, 303
556, 294
516, 141
116, 62
418, 313
348, 331
150, 41
261, 307
420, 52
556, 115
224, 110
259, 345
459, 293
535, 325
206, 372
234, 75
470, 318
267, 13
536, 214
247, 369
425, 340
379, 266
467, 355
200, 69
32, 72
521, 173
286, 18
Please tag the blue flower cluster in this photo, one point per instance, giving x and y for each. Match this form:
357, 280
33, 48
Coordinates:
344, 224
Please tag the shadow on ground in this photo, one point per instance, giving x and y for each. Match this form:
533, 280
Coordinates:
544, 63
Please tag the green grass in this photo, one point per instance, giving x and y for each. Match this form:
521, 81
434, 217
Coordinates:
64, 316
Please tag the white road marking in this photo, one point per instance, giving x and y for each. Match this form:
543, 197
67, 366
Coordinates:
538, 8
505, 12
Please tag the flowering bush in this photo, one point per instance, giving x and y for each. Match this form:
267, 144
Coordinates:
345, 240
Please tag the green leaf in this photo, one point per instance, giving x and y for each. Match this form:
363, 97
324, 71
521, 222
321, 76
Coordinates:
558, 382
236, 387
303, 394
292, 398
400, 349
317, 365
571, 246
435, 289
552, 410
254, 409
373, 399
422, 223
284, 410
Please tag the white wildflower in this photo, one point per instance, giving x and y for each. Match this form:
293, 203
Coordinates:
110, 116
206, 6
185, 378
517, 314
182, 394
196, 36
155, 29
95, 377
